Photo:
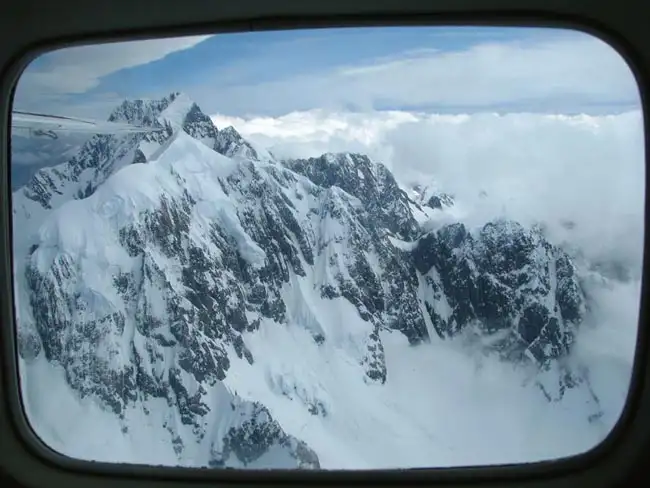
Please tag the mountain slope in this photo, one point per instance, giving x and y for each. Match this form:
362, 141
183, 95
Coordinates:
102, 155
242, 305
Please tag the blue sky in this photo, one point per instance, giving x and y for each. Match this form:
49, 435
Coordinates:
432, 69
302, 93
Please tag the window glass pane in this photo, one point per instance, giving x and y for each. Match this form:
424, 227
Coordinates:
328, 249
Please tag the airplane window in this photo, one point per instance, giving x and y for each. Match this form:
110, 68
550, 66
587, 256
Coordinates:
360, 248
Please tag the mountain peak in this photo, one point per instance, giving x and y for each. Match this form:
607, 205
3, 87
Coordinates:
139, 111
178, 111
348, 159
230, 143
142, 111
104, 154
370, 182
180, 108
231, 131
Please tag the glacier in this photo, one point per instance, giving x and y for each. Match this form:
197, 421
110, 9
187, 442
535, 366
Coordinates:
187, 298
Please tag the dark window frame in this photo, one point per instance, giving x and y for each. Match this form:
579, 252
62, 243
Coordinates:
27, 458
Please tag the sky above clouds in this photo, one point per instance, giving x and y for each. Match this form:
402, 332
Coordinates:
433, 69
473, 109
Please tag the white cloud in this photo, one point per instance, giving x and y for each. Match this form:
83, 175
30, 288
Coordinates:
78, 69
306, 133
555, 74
533, 167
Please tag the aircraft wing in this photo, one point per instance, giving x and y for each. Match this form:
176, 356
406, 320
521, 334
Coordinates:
49, 125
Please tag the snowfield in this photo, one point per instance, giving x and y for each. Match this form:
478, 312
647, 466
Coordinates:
438, 408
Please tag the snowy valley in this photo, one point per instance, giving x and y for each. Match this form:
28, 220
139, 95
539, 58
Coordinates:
188, 298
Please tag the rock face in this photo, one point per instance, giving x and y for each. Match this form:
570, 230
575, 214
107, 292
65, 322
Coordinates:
157, 253
370, 182
230, 143
505, 280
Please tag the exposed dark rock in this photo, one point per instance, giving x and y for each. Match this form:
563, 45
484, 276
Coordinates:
370, 182
504, 278
178, 310
230, 143
259, 433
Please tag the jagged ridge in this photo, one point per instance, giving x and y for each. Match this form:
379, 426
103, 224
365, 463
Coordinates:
202, 248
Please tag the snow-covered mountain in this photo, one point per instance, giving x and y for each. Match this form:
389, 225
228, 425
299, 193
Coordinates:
247, 311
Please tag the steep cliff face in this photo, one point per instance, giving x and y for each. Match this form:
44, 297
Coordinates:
149, 261
504, 280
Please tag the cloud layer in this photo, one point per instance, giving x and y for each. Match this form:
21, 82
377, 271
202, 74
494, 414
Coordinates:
555, 169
